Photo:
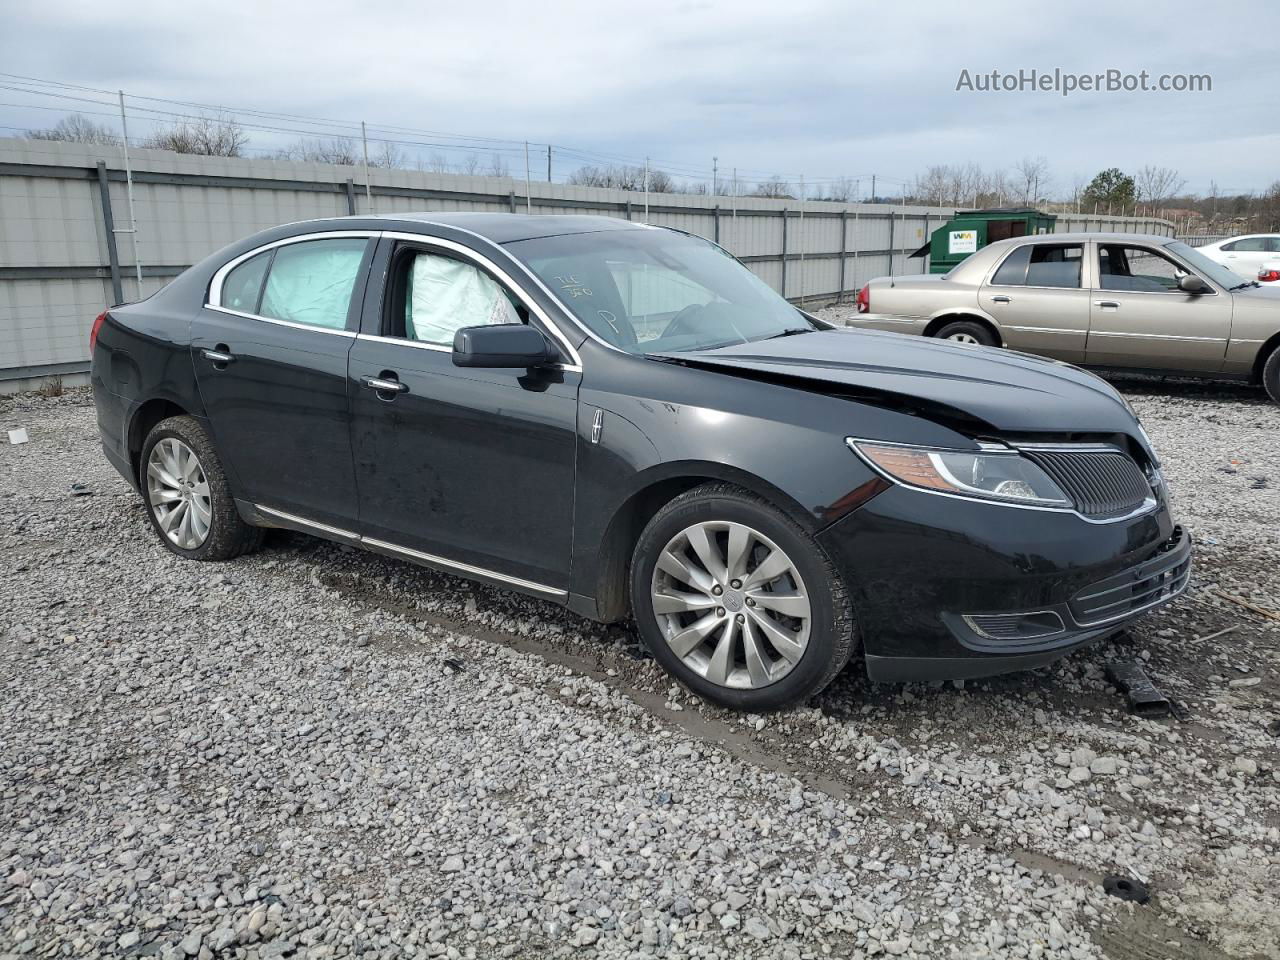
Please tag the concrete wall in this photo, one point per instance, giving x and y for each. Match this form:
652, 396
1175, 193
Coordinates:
56, 270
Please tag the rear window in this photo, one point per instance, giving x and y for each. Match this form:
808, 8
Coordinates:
311, 283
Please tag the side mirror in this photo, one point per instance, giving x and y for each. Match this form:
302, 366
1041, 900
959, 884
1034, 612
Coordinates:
501, 345
1190, 283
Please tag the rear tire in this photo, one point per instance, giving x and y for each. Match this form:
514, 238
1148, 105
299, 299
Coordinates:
767, 622
1271, 375
187, 497
967, 331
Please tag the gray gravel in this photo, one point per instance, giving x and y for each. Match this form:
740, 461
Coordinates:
315, 752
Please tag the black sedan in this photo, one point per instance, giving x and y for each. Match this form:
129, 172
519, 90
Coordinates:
625, 420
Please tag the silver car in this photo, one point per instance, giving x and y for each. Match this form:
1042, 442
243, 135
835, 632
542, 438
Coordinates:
1115, 300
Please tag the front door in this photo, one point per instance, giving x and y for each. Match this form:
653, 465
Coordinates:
1040, 299
270, 355
1140, 318
471, 469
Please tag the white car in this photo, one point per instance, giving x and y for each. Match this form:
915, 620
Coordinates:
1244, 255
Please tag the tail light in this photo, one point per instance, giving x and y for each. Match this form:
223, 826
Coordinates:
863, 299
1269, 276
93, 331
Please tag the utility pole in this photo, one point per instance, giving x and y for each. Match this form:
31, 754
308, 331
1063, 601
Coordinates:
646, 189
715, 161
873, 188
802, 243
128, 181
528, 181
735, 193
548, 163
368, 191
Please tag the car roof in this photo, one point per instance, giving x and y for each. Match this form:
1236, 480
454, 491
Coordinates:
1080, 237
512, 227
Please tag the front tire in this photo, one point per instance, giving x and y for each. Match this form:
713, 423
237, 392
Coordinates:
738, 602
1271, 375
967, 331
187, 496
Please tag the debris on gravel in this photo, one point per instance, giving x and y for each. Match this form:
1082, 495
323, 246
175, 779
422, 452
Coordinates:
316, 752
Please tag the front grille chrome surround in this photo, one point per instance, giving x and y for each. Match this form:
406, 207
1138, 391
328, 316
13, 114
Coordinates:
1102, 483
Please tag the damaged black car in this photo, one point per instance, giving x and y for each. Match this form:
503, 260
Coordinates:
627, 421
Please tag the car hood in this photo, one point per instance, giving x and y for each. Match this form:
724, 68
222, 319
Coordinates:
1001, 389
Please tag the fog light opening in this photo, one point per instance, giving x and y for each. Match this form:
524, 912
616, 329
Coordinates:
1015, 626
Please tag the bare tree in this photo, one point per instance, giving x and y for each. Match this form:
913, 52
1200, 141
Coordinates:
841, 189
774, 187
622, 178
216, 136
1157, 185
497, 167
388, 156
470, 166
1032, 179
75, 128
341, 151
438, 162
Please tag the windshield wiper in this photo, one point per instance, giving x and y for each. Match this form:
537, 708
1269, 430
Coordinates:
790, 332
1245, 283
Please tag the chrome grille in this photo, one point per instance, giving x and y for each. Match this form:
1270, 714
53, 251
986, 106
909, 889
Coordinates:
1101, 483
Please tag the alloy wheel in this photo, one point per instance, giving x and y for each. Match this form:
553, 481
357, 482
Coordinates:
731, 604
963, 338
178, 492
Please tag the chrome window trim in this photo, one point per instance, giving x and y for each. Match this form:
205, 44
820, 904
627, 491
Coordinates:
431, 558
989, 281
1148, 505
503, 277
316, 328
214, 296
406, 342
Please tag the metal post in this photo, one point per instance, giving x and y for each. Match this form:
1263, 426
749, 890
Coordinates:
646, 189
891, 241
715, 214
783, 291
128, 180
368, 191
873, 188
528, 181
855, 247
548, 163
844, 246
735, 193
351, 197
802, 243
511, 201
715, 172
109, 228
628, 209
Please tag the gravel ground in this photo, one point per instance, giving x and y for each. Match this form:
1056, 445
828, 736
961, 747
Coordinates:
316, 752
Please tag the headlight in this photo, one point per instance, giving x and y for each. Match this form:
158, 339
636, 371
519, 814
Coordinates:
990, 475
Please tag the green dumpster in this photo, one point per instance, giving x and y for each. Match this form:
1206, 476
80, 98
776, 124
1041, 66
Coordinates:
971, 230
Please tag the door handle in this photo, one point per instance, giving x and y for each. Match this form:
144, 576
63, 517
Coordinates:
384, 386
218, 356
1002, 299
1107, 304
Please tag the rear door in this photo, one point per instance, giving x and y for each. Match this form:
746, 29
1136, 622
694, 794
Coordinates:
270, 354
1039, 296
470, 469
1140, 318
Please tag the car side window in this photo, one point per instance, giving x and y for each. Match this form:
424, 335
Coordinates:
439, 295
1042, 265
312, 282
1137, 269
242, 287
1248, 245
1273, 244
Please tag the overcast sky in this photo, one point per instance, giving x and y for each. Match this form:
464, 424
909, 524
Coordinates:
819, 88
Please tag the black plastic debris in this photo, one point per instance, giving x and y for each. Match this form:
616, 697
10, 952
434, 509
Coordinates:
1145, 699
1126, 888
80, 490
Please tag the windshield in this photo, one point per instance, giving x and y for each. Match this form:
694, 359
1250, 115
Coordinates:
1214, 271
654, 291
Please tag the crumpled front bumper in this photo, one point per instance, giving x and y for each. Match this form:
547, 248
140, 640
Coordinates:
929, 576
